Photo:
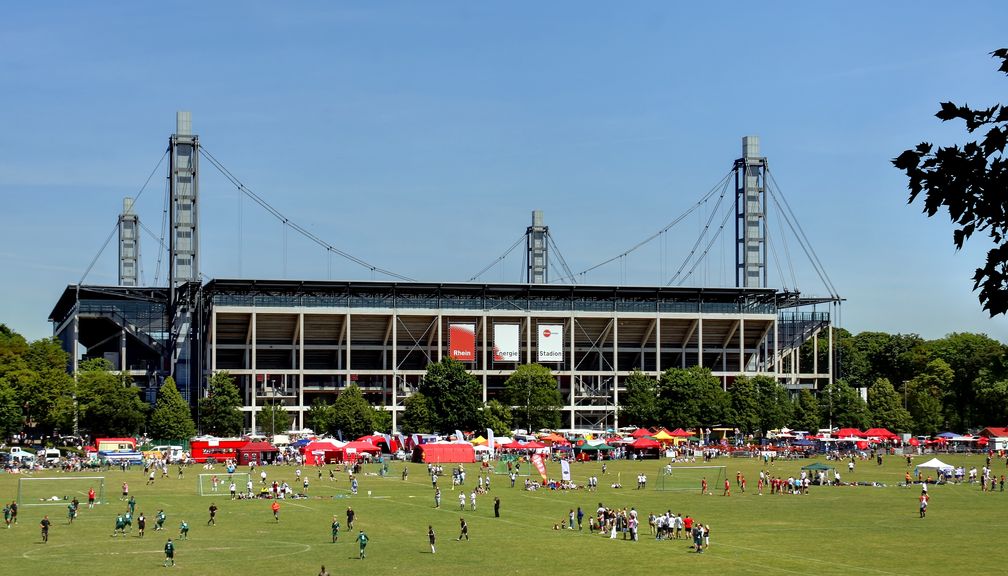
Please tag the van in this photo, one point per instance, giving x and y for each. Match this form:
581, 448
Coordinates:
20, 456
171, 454
49, 456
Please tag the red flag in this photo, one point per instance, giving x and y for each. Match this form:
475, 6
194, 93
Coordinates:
537, 461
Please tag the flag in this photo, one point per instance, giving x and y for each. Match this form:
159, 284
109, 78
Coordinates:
565, 470
490, 439
537, 461
388, 441
416, 440
402, 441
339, 434
459, 436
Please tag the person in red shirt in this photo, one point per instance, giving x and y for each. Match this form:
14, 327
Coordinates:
727, 488
276, 510
688, 523
90, 498
703, 485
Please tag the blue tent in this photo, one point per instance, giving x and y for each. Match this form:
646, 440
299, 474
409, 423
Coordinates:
301, 442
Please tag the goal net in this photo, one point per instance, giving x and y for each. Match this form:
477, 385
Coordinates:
521, 466
220, 484
59, 491
690, 478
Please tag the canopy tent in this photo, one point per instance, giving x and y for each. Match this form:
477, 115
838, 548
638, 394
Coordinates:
880, 433
595, 448
378, 440
301, 442
553, 439
481, 449
479, 441
322, 451
844, 433
359, 447
802, 442
640, 432
441, 452
645, 444
817, 466
255, 452
936, 464
946, 435
533, 445
681, 433
664, 436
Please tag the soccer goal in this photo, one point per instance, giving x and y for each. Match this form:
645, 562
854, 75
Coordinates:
521, 468
222, 487
690, 478
59, 491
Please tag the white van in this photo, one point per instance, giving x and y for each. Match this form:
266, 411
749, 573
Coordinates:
49, 456
21, 456
171, 454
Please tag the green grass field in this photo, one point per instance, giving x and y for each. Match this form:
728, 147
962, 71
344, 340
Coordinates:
833, 530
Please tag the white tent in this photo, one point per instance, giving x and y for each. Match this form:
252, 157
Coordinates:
936, 464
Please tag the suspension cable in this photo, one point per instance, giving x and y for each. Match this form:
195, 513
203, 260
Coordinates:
499, 258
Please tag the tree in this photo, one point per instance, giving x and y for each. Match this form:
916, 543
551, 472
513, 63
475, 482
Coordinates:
418, 415
534, 396
11, 418
992, 396
219, 413
455, 395
382, 420
925, 394
320, 416
273, 418
352, 414
639, 404
806, 412
840, 405
967, 355
496, 417
690, 397
109, 404
774, 403
744, 405
13, 348
970, 182
886, 407
171, 418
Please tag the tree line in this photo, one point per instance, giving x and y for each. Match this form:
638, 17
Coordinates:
913, 385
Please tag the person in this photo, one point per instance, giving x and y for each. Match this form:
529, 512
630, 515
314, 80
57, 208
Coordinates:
463, 530
150, 477
703, 486
125, 490
580, 517
120, 526
44, 525
213, 515
462, 500
90, 498
570, 519
141, 524
727, 488
923, 504
496, 507
353, 486
431, 537
183, 531
169, 553
233, 489
335, 529
132, 505
13, 511
472, 501
127, 521
70, 513
159, 520
437, 497
7, 515
350, 515
276, 510
323, 571
362, 541
706, 536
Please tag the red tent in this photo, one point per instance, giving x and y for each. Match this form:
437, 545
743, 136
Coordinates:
680, 432
645, 444
848, 432
378, 440
436, 453
913, 442
640, 432
880, 433
321, 452
255, 452
533, 445
353, 449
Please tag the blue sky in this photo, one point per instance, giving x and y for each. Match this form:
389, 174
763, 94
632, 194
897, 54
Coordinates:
419, 137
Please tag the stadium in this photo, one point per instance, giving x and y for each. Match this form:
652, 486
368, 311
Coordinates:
292, 342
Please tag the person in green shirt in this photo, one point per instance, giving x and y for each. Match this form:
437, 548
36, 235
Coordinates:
120, 526
70, 513
7, 515
362, 540
169, 552
183, 531
335, 529
159, 520
132, 505
127, 522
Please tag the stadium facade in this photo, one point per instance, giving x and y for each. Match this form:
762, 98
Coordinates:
290, 343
